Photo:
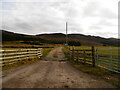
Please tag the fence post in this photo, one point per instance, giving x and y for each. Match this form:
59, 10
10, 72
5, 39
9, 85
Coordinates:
84, 57
27, 54
111, 57
96, 59
3, 63
77, 55
73, 53
93, 56
39, 52
69, 52
19, 55
20, 51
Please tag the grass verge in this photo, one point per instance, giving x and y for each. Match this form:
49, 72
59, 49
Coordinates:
46, 51
20, 63
65, 50
106, 75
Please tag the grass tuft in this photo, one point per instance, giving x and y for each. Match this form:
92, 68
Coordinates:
20, 63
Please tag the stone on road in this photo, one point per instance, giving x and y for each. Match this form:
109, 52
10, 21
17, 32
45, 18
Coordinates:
51, 74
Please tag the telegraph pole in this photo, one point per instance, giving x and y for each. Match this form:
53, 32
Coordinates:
66, 35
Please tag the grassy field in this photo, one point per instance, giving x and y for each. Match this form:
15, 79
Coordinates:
96, 47
103, 50
19, 44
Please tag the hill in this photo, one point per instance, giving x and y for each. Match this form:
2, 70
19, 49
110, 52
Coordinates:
59, 38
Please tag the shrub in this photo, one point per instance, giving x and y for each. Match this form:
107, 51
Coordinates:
74, 43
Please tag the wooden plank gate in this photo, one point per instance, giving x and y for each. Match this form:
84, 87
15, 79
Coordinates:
85, 56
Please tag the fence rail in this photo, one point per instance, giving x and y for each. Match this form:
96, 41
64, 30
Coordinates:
86, 56
104, 58
108, 59
14, 55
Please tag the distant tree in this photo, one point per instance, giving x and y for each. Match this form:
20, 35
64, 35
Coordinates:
74, 43
104, 45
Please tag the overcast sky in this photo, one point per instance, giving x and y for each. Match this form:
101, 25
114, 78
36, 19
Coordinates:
89, 17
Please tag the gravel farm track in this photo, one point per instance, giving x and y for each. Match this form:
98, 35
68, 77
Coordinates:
51, 73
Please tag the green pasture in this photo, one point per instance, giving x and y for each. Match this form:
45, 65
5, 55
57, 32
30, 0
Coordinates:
105, 50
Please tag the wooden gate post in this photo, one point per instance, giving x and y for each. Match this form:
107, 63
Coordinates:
27, 54
73, 54
39, 52
96, 56
93, 56
77, 53
69, 52
84, 57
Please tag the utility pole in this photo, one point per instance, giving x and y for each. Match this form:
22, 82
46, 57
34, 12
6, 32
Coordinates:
66, 35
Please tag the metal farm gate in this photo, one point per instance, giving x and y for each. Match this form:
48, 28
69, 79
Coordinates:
104, 58
108, 59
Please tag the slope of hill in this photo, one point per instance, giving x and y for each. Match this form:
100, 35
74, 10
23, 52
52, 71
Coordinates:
97, 39
84, 39
59, 38
11, 36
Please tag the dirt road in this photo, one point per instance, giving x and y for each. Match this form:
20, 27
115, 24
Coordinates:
51, 74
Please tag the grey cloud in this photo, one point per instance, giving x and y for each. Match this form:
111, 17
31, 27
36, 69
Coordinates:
46, 19
75, 27
95, 27
43, 17
108, 14
101, 24
105, 23
7, 6
107, 34
94, 9
33, 1
91, 8
23, 26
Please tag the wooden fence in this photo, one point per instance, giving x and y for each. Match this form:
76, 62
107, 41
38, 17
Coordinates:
108, 59
11, 56
85, 56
